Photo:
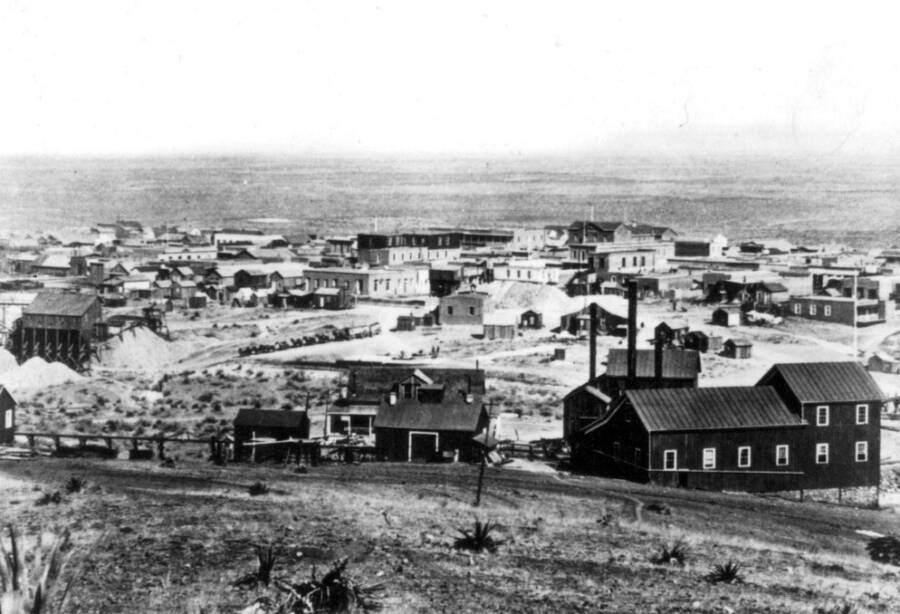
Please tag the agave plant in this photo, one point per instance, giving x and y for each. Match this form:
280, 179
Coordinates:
479, 539
334, 592
675, 552
24, 590
265, 563
725, 573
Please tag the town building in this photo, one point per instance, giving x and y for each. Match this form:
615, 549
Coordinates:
391, 249
7, 417
274, 427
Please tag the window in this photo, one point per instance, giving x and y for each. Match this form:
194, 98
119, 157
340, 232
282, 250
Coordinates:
862, 414
862, 451
7, 419
670, 460
822, 415
643, 260
623, 262
471, 311
812, 310
821, 453
826, 311
798, 308
637, 456
781, 455
709, 458
744, 456
449, 310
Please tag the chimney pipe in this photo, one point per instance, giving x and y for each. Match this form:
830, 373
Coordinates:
592, 359
632, 332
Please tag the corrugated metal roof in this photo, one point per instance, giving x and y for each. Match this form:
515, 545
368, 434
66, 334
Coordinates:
450, 415
827, 382
677, 364
60, 304
688, 409
270, 417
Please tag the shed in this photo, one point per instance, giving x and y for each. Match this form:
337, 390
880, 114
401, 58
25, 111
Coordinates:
274, 424
531, 319
7, 417
737, 348
332, 298
727, 315
500, 325
883, 363
406, 322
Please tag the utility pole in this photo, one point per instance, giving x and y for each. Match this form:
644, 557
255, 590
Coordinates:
855, 312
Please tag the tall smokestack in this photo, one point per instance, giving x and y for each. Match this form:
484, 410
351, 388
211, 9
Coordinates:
658, 359
592, 310
632, 333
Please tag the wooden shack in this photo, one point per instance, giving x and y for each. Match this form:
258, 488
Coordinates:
531, 319
266, 427
696, 340
727, 315
7, 417
737, 348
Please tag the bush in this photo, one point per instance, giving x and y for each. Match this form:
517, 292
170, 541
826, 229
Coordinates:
479, 539
884, 549
75, 484
725, 573
836, 608
258, 488
27, 591
334, 592
47, 498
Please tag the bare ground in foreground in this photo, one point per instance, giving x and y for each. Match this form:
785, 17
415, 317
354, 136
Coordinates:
154, 539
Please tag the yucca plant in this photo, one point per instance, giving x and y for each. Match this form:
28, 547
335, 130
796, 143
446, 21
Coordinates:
75, 484
479, 539
667, 554
725, 573
24, 590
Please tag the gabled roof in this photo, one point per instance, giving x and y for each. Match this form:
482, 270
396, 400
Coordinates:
603, 226
270, 417
773, 286
826, 382
452, 414
677, 364
374, 382
688, 409
60, 304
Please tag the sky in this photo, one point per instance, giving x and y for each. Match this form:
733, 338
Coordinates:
524, 77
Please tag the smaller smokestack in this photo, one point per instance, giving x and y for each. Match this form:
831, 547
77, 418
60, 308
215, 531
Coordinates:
632, 332
592, 343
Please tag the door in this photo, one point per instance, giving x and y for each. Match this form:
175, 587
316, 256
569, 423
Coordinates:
422, 446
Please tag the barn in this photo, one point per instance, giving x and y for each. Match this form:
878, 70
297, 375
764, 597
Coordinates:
424, 414
413, 431
730, 438
274, 424
7, 417
727, 315
841, 403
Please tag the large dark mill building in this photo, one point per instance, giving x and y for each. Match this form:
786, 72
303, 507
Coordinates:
58, 327
803, 426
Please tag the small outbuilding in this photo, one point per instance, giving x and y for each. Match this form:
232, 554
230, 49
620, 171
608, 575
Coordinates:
696, 340
500, 325
270, 428
737, 348
531, 319
727, 315
883, 363
7, 417
407, 322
